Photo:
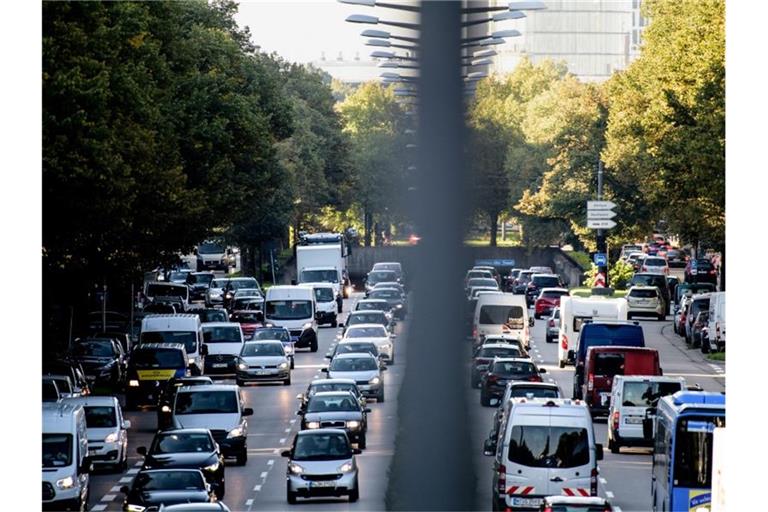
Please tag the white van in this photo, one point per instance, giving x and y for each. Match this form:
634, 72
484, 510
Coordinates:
107, 431
293, 307
574, 311
546, 447
325, 303
716, 321
66, 464
631, 396
504, 313
179, 328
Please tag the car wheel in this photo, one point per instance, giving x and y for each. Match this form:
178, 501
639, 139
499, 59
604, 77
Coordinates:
124, 464
380, 397
613, 446
313, 346
242, 457
361, 443
291, 496
240, 382
355, 494
334, 322
220, 491
287, 382
704, 346
537, 316
561, 364
485, 400
293, 363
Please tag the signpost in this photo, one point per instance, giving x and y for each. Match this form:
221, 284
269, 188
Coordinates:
600, 259
599, 215
600, 224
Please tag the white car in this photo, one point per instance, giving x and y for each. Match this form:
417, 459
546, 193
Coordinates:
107, 431
224, 341
655, 265
645, 301
376, 333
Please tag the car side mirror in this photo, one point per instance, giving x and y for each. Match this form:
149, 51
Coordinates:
542, 370
598, 451
530, 322
357, 451
324, 370
489, 448
328, 356
125, 489
385, 368
300, 396
247, 411
142, 450
126, 424
204, 350
341, 324
285, 453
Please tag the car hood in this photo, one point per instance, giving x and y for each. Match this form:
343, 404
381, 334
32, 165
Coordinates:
378, 340
93, 361
180, 460
147, 498
231, 349
321, 467
264, 360
97, 435
209, 421
366, 375
333, 416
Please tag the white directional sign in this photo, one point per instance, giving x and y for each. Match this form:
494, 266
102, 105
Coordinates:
600, 205
600, 224
600, 214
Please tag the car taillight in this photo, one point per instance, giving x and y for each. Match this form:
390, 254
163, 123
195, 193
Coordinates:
501, 480
547, 509
593, 482
492, 378
564, 343
551, 323
535, 378
590, 382
474, 333
616, 418
712, 272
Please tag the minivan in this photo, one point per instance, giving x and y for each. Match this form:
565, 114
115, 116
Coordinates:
107, 431
149, 369
505, 313
631, 397
66, 464
604, 363
177, 328
293, 307
546, 447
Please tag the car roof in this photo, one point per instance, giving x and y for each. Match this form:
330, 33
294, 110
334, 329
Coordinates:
156, 346
263, 342
362, 326
355, 355
92, 400
321, 431
220, 324
642, 287
332, 393
528, 384
498, 345
333, 381
185, 431
366, 312
512, 360
368, 301
575, 500
544, 275
210, 387
556, 289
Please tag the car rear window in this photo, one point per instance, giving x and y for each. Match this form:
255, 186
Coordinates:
704, 264
543, 281
645, 294
502, 314
541, 446
655, 262
499, 352
609, 364
554, 294
647, 394
513, 368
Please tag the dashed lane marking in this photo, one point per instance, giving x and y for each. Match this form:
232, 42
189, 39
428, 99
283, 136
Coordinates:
292, 421
263, 474
270, 462
282, 441
287, 430
603, 481
115, 489
248, 503
132, 471
99, 507
126, 480
108, 497
257, 488
139, 463
616, 509
609, 495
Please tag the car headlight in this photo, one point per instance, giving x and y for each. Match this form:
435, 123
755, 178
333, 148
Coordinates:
165, 408
295, 468
313, 424
288, 349
283, 366
133, 383
307, 325
399, 306
192, 360
236, 432
212, 467
111, 438
353, 424
386, 346
374, 381
242, 366
228, 296
345, 468
65, 483
214, 293
136, 508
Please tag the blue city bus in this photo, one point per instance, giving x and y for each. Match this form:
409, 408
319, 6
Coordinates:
682, 451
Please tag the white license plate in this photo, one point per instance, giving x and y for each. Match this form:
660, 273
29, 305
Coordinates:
264, 372
329, 483
219, 365
630, 420
526, 502
605, 398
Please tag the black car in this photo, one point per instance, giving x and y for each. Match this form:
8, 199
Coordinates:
368, 317
537, 282
198, 283
394, 299
700, 270
155, 487
520, 284
657, 280
102, 360
320, 385
211, 315
168, 395
503, 370
675, 258
191, 448
336, 409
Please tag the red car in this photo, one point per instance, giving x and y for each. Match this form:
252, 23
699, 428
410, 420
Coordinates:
249, 321
548, 300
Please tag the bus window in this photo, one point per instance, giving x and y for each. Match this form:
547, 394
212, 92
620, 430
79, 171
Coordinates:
693, 451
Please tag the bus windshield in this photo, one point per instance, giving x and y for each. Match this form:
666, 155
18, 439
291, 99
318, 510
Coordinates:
693, 450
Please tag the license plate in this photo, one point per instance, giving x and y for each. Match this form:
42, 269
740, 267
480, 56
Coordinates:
527, 502
263, 372
330, 483
93, 450
219, 365
604, 398
632, 420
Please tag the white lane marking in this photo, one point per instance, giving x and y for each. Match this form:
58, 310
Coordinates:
97, 508
108, 497
292, 421
282, 441
126, 480
139, 463
287, 430
263, 474
132, 471
115, 489
276, 451
248, 503
603, 481
270, 462
257, 488
616, 509
609, 495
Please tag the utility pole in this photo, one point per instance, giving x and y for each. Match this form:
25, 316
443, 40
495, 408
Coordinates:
601, 245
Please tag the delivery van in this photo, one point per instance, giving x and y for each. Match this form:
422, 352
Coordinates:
293, 307
177, 328
574, 312
504, 313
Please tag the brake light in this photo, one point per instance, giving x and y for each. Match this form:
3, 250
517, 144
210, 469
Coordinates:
474, 333
547, 509
712, 272
492, 378
501, 481
593, 482
564, 343
535, 378
616, 418
551, 324
591, 382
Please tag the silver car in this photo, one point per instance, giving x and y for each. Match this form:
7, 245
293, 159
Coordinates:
363, 368
263, 361
322, 463
553, 326
215, 293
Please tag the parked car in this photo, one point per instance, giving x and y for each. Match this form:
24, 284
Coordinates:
699, 303
699, 331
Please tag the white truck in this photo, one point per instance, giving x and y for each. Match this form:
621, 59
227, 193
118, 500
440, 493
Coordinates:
574, 311
323, 263
716, 327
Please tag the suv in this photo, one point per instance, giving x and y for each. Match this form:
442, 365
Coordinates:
657, 280
700, 271
645, 300
220, 408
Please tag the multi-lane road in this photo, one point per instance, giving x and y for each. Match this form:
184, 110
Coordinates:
260, 484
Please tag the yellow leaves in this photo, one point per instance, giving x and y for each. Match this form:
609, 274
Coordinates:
137, 40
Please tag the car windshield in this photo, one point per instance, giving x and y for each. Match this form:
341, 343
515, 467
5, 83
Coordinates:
219, 283
499, 314
654, 262
345, 348
473, 274
372, 306
510, 368
334, 386
94, 349
212, 315
324, 295
491, 352
209, 248
206, 402
366, 318
650, 280
272, 334
289, 309
533, 392
704, 265
186, 338
644, 294
236, 284
262, 350
182, 443
608, 364
100, 417
543, 446
322, 447
394, 267
319, 276
698, 306
200, 279
57, 450
247, 292
647, 394
546, 281
332, 403
178, 276
693, 451
525, 276
362, 364
366, 332
384, 294
158, 358
381, 276
169, 481
482, 281
166, 290
222, 334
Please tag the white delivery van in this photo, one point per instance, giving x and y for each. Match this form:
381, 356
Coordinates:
179, 328
325, 303
546, 447
66, 464
321, 263
716, 321
293, 307
504, 313
574, 311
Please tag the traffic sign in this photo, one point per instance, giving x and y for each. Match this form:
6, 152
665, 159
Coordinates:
600, 259
600, 205
600, 214
600, 224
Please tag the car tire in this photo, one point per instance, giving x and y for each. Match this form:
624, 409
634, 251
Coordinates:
240, 382
220, 491
380, 396
293, 363
355, 494
362, 442
561, 364
287, 382
662, 317
123, 465
313, 346
613, 446
291, 496
334, 322
242, 457
704, 346
485, 400
537, 316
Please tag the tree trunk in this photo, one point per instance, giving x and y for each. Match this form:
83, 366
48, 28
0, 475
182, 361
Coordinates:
368, 220
494, 215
